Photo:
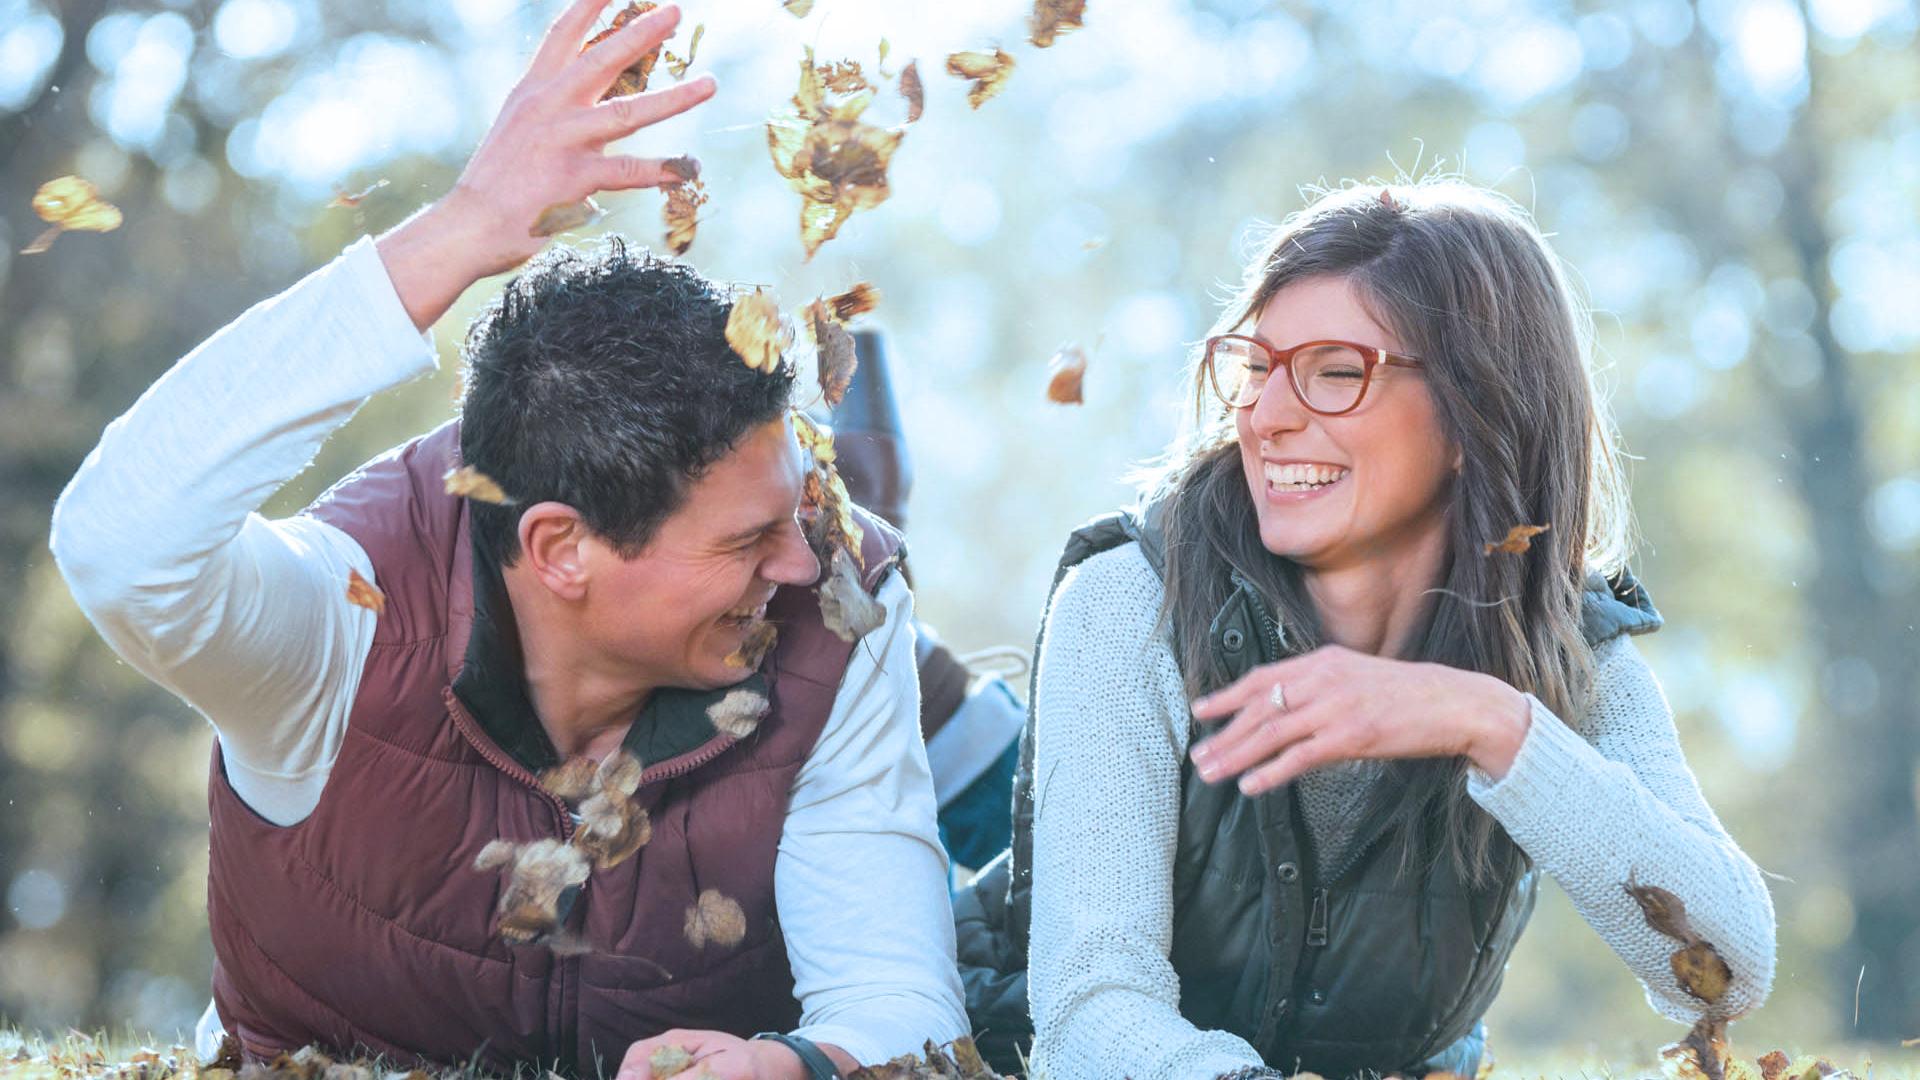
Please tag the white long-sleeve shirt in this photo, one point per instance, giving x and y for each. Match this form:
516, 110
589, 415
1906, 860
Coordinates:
1113, 730
246, 619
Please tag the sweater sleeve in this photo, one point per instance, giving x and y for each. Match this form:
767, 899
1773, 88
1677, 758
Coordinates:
1593, 813
157, 535
1111, 732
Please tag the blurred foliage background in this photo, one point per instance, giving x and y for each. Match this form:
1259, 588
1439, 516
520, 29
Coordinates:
1736, 183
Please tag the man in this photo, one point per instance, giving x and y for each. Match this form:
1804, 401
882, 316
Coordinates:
777, 871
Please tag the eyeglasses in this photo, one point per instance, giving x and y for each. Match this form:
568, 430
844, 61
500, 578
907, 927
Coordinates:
1329, 377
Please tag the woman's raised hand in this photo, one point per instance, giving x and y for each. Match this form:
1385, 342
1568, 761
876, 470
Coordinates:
547, 147
1335, 704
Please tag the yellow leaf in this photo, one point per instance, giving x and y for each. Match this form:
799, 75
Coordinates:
362, 593
561, 217
757, 333
988, 70
1518, 539
715, 919
1069, 369
470, 483
70, 204
681, 213
1051, 18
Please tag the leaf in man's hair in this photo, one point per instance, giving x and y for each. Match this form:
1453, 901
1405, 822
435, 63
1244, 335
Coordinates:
715, 919
757, 333
834, 352
1051, 18
739, 713
913, 90
1517, 541
633, 79
988, 71
562, 217
70, 204
677, 66
362, 593
1069, 369
470, 483
669, 1061
681, 213
845, 605
760, 639
858, 300
1702, 1055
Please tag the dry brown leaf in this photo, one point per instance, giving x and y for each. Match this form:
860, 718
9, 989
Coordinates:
935, 1063
1051, 18
669, 1061
572, 780
685, 167
813, 438
612, 828
1665, 913
539, 874
1773, 1065
682, 213
761, 636
344, 200
561, 217
836, 162
677, 66
1068, 369
989, 72
856, 301
913, 90
800, 9
361, 593
1518, 539
715, 919
1701, 972
845, 605
834, 352
757, 333
1702, 1055
739, 713
70, 204
633, 79
470, 483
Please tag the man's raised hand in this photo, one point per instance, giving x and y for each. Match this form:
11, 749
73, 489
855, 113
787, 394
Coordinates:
547, 147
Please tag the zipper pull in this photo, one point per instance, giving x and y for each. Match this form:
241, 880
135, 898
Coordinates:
1317, 925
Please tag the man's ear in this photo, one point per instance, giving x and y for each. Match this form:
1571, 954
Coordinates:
552, 539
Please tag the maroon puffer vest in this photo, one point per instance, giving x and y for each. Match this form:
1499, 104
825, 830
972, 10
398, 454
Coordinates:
366, 925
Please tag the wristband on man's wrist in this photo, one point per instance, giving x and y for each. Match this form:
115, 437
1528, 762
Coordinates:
818, 1065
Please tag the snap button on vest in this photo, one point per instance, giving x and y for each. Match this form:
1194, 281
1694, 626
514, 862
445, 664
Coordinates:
1318, 997
1288, 871
1233, 640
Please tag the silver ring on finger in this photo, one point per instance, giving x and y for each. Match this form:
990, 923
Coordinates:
1278, 697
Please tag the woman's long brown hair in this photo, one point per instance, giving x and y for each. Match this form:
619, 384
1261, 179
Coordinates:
1467, 283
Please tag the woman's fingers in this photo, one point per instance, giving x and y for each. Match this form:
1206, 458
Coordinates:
1256, 735
616, 118
564, 37
1254, 686
1308, 753
595, 69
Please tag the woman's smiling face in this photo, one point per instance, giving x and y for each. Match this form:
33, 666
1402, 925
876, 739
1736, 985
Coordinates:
1332, 491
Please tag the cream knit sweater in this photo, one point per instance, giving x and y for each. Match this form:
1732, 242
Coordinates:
1113, 730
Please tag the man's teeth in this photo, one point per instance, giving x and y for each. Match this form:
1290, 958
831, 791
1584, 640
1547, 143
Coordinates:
1303, 477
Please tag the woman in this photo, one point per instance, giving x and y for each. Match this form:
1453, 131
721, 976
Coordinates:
1306, 730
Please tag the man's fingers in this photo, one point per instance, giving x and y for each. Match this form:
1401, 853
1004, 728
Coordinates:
616, 118
594, 71
618, 172
564, 37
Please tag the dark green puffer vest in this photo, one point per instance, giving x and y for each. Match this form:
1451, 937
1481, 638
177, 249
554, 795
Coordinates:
1368, 971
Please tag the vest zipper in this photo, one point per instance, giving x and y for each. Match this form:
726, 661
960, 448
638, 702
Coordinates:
1317, 923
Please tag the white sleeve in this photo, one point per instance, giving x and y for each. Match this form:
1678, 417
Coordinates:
1593, 813
861, 879
157, 535
1108, 747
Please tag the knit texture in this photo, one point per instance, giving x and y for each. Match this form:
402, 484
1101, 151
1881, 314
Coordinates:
1113, 731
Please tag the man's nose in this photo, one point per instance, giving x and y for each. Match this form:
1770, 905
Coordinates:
792, 561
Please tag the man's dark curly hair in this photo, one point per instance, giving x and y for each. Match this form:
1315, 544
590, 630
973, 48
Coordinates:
603, 380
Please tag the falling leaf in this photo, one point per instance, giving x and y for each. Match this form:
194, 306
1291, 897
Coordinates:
739, 713
686, 167
845, 605
856, 301
561, 217
833, 346
813, 438
572, 780
470, 483
1094, 244
669, 1061
1069, 368
1702, 1055
539, 876
800, 8
1518, 539
633, 79
756, 331
880, 65
70, 204
682, 213
1051, 18
988, 70
715, 919
344, 200
612, 828
913, 90
1773, 1065
836, 162
676, 66
361, 593
760, 639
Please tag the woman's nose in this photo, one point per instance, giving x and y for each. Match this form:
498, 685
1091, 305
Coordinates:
1278, 408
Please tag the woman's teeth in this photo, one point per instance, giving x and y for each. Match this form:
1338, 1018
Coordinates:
1303, 477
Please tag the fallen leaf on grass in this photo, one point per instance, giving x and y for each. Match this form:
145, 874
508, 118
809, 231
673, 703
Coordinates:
1517, 540
562, 217
633, 79
1069, 369
715, 919
760, 640
913, 90
1051, 18
1773, 1065
344, 200
682, 213
70, 204
739, 713
1702, 1055
934, 1063
989, 72
470, 483
756, 332
362, 593
845, 605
